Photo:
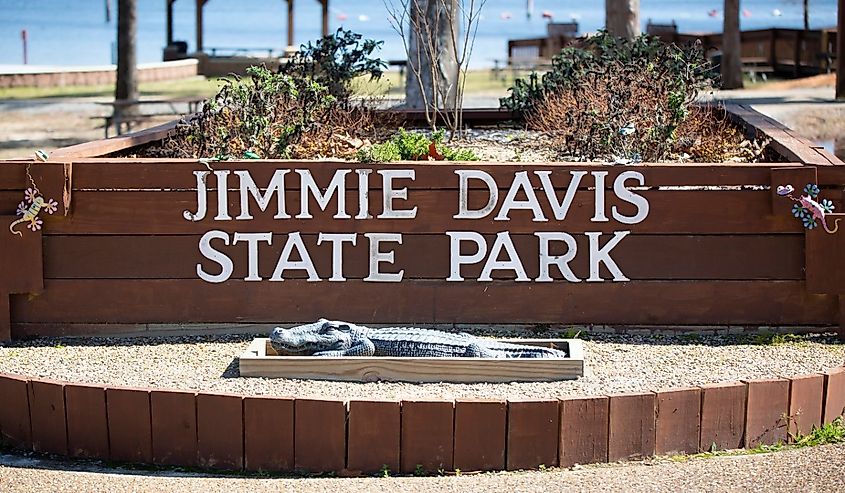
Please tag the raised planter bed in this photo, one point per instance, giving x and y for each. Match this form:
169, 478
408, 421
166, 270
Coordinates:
716, 248
260, 360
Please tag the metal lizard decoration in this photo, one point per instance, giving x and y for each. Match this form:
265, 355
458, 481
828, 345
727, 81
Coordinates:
29, 209
809, 210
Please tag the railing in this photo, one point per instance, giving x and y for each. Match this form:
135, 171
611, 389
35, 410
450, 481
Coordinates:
253, 52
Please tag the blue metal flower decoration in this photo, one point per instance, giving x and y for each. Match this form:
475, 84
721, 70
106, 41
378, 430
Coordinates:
827, 205
798, 211
812, 190
809, 222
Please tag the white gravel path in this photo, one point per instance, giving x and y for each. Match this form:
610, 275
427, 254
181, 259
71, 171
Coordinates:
613, 364
813, 469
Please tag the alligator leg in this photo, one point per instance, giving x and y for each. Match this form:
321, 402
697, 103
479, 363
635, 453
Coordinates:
364, 348
477, 351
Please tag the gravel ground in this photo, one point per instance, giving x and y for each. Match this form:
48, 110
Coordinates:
814, 469
613, 364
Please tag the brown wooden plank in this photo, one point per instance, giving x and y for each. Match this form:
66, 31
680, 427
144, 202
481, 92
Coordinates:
174, 428
671, 211
806, 396
5, 317
693, 302
265, 451
87, 424
834, 398
220, 431
106, 146
134, 174
782, 139
480, 434
130, 426
15, 427
631, 432
47, 411
428, 434
825, 260
584, 425
533, 428
722, 416
678, 421
21, 267
766, 412
641, 257
373, 435
319, 435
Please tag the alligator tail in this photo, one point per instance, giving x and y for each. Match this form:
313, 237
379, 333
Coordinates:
835, 225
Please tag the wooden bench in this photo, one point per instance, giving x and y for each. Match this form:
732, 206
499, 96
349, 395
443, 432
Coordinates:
167, 107
757, 66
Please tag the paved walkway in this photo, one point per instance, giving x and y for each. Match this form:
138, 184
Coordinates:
816, 469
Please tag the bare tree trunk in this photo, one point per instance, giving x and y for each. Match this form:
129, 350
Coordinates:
731, 47
622, 18
430, 32
806, 15
127, 78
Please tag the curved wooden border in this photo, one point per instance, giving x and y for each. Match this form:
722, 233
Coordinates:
234, 432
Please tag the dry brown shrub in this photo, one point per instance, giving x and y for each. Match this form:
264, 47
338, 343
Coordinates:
706, 136
590, 121
585, 123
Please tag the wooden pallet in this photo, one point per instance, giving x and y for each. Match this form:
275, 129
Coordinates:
259, 360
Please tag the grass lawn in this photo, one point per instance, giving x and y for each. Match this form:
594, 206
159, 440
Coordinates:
197, 86
478, 81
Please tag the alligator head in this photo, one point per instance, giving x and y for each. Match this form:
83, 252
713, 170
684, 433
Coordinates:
304, 340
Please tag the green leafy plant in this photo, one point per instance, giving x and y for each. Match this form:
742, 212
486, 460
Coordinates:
270, 116
260, 117
334, 61
384, 471
419, 470
833, 432
772, 339
414, 146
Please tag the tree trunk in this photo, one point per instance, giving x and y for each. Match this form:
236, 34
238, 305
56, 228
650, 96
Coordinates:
127, 78
622, 18
432, 77
806, 15
731, 47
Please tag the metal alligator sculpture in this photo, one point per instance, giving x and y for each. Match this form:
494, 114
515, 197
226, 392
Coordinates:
334, 339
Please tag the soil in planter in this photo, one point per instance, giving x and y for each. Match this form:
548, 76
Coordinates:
710, 140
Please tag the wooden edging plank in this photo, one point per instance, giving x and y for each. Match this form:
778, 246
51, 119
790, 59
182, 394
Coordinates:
742, 257
114, 144
179, 174
670, 212
127, 301
467, 435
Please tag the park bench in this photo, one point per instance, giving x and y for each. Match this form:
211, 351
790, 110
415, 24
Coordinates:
157, 108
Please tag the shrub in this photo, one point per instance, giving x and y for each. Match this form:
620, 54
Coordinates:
271, 116
263, 115
334, 61
610, 98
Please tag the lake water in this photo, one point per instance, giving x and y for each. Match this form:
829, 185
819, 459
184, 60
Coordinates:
75, 32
